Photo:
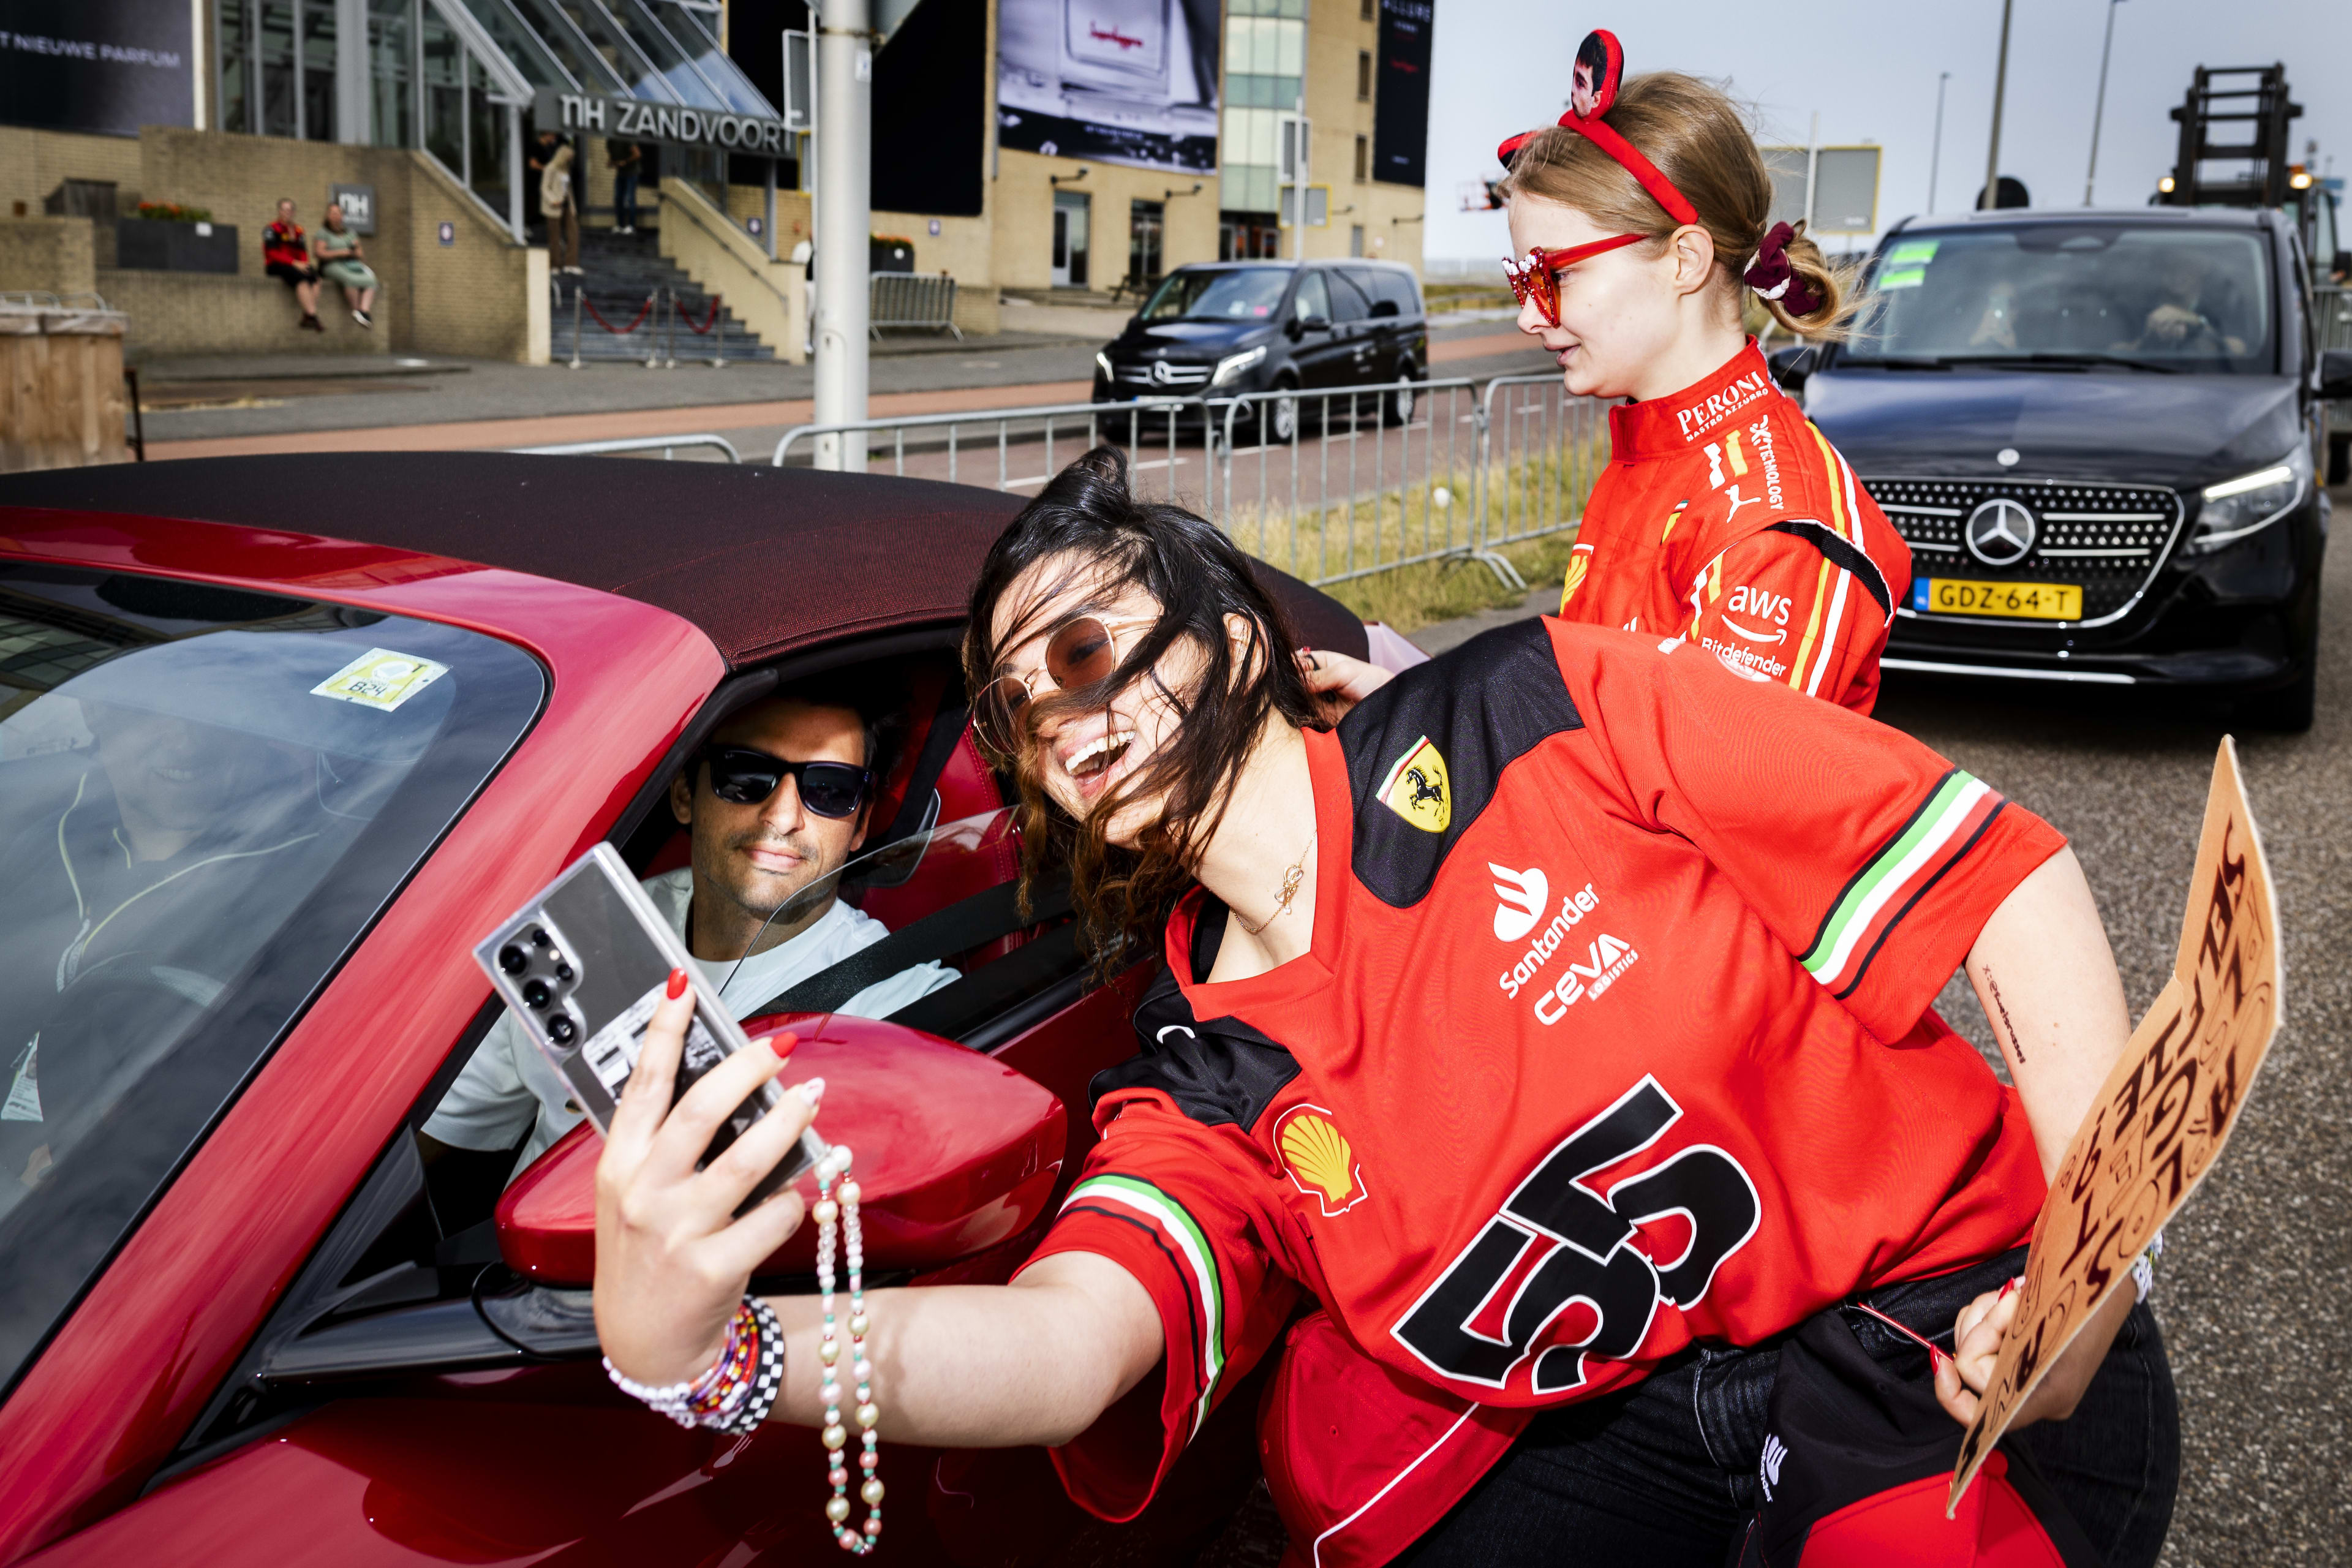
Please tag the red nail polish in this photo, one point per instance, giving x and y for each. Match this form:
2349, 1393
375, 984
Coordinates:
1940, 1359
2008, 1288
783, 1044
677, 983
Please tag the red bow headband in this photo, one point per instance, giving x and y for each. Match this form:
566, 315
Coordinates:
1600, 62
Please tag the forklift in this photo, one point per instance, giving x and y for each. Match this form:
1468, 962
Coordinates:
2252, 103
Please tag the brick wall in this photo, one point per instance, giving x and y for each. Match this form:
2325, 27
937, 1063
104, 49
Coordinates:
54, 255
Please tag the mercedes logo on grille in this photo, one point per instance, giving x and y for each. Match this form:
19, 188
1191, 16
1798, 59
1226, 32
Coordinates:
2001, 532
1161, 373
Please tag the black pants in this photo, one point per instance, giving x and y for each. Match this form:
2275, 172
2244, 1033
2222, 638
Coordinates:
1663, 1475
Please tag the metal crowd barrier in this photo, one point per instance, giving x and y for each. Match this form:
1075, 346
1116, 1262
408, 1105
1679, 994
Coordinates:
911, 299
666, 445
1329, 484
2331, 308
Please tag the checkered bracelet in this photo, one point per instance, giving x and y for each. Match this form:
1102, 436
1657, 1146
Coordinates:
740, 1389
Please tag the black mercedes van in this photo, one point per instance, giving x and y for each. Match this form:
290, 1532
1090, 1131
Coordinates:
2097, 430
1218, 329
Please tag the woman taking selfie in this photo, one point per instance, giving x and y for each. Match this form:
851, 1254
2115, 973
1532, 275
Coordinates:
1639, 224
1525, 1031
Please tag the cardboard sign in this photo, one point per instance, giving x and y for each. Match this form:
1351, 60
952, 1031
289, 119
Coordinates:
2161, 1118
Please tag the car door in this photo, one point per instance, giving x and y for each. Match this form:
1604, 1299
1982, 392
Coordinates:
1356, 337
1376, 342
1314, 334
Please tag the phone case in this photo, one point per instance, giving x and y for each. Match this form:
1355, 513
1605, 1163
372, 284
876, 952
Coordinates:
583, 964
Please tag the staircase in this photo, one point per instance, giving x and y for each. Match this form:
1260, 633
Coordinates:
620, 270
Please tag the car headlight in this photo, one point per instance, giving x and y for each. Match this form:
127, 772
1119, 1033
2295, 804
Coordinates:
1102, 363
1233, 365
2236, 508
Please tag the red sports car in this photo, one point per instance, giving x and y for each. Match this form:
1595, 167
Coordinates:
280, 739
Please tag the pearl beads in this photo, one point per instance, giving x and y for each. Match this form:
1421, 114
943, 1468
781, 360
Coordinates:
836, 1202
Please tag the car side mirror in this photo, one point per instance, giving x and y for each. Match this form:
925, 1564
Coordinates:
1314, 323
955, 1151
2335, 373
1384, 306
1792, 365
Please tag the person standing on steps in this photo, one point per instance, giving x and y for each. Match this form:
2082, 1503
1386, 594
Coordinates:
628, 159
556, 202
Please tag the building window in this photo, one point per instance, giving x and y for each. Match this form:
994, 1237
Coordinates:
1356, 239
1363, 159
1144, 224
1366, 14
1364, 75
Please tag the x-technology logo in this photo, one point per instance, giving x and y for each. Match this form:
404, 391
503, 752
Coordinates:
1526, 899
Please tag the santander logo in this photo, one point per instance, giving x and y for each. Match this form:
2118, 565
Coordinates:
1526, 899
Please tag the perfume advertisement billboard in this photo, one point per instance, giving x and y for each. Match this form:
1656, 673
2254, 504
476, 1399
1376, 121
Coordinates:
1125, 81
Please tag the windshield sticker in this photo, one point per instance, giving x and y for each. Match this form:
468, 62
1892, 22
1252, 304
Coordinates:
1912, 253
380, 679
1909, 278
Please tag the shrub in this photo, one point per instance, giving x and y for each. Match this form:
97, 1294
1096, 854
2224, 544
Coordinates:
172, 212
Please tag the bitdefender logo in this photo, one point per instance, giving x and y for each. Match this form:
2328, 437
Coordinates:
1526, 899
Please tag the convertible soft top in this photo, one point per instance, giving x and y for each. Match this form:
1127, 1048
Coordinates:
763, 560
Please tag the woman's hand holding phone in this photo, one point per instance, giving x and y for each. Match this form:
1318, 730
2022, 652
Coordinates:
672, 1262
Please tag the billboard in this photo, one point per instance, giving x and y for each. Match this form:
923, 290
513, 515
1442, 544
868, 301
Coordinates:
107, 65
1401, 96
1125, 81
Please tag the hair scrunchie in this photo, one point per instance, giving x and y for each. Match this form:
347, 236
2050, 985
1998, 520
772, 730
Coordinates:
1773, 276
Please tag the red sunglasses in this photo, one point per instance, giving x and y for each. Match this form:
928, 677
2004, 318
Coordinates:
1539, 278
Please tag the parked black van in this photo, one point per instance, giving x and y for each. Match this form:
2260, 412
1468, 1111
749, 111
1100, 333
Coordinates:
2098, 432
1219, 329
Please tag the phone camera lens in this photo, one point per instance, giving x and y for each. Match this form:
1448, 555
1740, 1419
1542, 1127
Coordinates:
513, 960
538, 937
564, 972
561, 1029
538, 992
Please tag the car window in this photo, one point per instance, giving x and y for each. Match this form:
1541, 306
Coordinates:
1313, 298
1348, 303
1398, 288
2173, 297
1197, 294
207, 796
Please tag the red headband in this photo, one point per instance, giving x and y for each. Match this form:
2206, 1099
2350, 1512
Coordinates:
1600, 62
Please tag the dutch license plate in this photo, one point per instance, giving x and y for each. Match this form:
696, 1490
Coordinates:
2025, 600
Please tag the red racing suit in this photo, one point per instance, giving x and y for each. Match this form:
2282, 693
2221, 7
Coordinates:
1590, 1059
1725, 517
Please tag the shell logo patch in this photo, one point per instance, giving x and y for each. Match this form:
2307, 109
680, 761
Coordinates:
1580, 561
1418, 790
1318, 1159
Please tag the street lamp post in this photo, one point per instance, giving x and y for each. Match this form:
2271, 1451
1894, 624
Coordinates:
844, 217
2099, 107
1936, 156
1992, 197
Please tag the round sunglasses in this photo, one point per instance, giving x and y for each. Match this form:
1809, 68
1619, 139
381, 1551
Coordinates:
1080, 652
1537, 277
741, 776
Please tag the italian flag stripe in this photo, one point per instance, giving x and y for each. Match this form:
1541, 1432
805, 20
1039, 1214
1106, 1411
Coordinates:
1898, 869
1192, 1245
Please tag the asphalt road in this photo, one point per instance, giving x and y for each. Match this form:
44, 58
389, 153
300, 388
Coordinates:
2255, 1292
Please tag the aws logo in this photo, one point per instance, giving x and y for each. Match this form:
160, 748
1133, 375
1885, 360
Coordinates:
1758, 604
1318, 1159
1418, 789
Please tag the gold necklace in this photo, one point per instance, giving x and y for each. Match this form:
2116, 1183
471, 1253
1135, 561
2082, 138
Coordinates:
1292, 879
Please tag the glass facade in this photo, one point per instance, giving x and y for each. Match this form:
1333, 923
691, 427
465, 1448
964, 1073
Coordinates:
456, 77
1266, 63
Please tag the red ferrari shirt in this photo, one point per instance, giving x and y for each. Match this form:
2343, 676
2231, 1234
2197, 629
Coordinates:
1726, 518
284, 242
1605, 1043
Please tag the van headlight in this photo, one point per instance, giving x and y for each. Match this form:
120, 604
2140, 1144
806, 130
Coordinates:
1102, 363
2236, 508
1232, 366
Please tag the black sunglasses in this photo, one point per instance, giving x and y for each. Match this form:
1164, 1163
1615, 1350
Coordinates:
741, 776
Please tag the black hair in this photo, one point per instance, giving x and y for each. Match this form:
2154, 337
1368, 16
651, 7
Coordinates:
1111, 539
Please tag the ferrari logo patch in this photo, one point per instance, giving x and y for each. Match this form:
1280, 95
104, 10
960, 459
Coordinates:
1418, 790
1318, 1159
1580, 561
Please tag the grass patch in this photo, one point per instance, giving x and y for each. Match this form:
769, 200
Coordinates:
1464, 296
1412, 597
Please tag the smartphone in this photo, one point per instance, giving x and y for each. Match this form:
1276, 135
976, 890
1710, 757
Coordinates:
583, 964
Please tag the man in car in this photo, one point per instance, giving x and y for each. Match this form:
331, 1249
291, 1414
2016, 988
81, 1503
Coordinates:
2195, 313
774, 804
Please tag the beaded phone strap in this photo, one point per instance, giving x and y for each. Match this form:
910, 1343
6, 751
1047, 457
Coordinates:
741, 1386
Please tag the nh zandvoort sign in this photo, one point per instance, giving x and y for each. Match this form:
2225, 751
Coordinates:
633, 120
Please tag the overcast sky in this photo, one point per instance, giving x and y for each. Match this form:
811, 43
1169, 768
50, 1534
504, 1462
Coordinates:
1870, 69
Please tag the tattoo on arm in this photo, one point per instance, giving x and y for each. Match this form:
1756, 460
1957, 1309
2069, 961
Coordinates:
2016, 1044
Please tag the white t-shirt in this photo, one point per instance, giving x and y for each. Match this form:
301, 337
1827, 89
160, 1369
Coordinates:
509, 1086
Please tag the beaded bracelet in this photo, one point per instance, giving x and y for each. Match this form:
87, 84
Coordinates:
741, 1387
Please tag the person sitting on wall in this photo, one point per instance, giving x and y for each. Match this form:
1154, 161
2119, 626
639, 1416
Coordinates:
285, 256
775, 802
339, 259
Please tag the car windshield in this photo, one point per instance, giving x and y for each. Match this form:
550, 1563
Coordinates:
1248, 294
207, 796
2148, 297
